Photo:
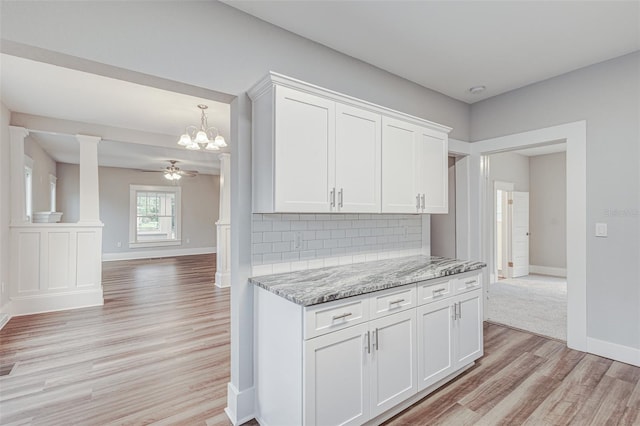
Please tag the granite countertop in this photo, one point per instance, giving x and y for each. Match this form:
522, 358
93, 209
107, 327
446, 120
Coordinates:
315, 286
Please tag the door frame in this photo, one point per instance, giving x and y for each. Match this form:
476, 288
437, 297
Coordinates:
575, 136
504, 187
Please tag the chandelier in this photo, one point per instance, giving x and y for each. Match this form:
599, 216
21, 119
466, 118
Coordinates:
205, 137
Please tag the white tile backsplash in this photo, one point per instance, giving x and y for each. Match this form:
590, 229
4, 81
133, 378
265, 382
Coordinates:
330, 239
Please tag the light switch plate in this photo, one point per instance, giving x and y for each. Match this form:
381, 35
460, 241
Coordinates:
601, 229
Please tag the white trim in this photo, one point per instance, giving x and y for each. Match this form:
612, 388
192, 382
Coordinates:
575, 135
459, 148
548, 270
240, 405
614, 351
150, 254
4, 316
223, 279
51, 302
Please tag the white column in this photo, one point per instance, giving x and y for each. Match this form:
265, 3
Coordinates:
18, 206
89, 189
223, 264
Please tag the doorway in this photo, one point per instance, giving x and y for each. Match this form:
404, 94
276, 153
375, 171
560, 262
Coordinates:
528, 188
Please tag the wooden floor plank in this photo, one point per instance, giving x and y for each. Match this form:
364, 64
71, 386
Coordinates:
157, 353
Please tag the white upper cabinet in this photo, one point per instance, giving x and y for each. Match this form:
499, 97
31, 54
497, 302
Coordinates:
357, 165
319, 151
304, 151
399, 163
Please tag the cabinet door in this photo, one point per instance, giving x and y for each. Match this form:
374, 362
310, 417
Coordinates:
393, 360
336, 378
304, 151
432, 171
398, 167
358, 178
468, 328
435, 342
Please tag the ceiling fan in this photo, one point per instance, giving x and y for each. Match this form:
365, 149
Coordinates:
173, 172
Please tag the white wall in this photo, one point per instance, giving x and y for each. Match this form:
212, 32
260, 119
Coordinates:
5, 211
607, 96
510, 167
443, 226
43, 166
200, 205
548, 210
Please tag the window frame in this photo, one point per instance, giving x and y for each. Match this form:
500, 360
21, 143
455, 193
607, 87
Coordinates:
28, 188
53, 192
133, 215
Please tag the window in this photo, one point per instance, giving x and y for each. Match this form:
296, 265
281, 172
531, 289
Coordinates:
52, 191
28, 187
154, 216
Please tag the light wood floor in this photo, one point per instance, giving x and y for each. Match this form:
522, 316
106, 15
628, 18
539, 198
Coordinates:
157, 352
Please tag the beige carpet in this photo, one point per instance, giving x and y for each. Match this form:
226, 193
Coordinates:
535, 303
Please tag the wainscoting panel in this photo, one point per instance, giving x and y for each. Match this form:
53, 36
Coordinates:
58, 260
28, 262
88, 257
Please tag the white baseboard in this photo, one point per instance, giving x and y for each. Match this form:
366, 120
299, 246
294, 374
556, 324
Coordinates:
223, 279
547, 270
240, 405
614, 351
150, 254
39, 303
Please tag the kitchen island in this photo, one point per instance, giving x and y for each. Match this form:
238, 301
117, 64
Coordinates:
356, 344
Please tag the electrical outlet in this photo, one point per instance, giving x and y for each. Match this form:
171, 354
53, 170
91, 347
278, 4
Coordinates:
118, 244
188, 240
601, 230
297, 241
3, 287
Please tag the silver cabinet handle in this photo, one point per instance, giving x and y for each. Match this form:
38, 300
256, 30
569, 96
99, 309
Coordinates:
469, 283
340, 197
459, 310
341, 316
422, 197
392, 302
376, 345
438, 292
368, 342
455, 311
332, 195
418, 202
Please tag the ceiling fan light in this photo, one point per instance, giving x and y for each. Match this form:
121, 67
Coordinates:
220, 142
193, 146
201, 137
168, 176
185, 140
177, 176
211, 146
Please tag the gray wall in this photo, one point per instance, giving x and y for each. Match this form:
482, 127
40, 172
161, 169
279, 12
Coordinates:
68, 196
43, 166
240, 50
5, 202
607, 96
548, 210
443, 226
200, 205
510, 167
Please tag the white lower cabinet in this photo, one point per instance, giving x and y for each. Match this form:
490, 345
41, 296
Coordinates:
353, 361
358, 373
449, 336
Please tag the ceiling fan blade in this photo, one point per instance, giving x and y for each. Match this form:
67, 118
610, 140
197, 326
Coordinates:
150, 171
191, 171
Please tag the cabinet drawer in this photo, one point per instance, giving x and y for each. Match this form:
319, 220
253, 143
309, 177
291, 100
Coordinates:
468, 283
328, 317
392, 300
430, 291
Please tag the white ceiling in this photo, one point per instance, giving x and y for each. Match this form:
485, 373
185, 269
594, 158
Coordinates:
46, 90
450, 46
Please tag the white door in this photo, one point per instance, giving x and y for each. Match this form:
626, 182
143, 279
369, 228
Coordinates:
393, 360
336, 378
432, 171
520, 233
358, 176
399, 194
304, 130
468, 328
435, 342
